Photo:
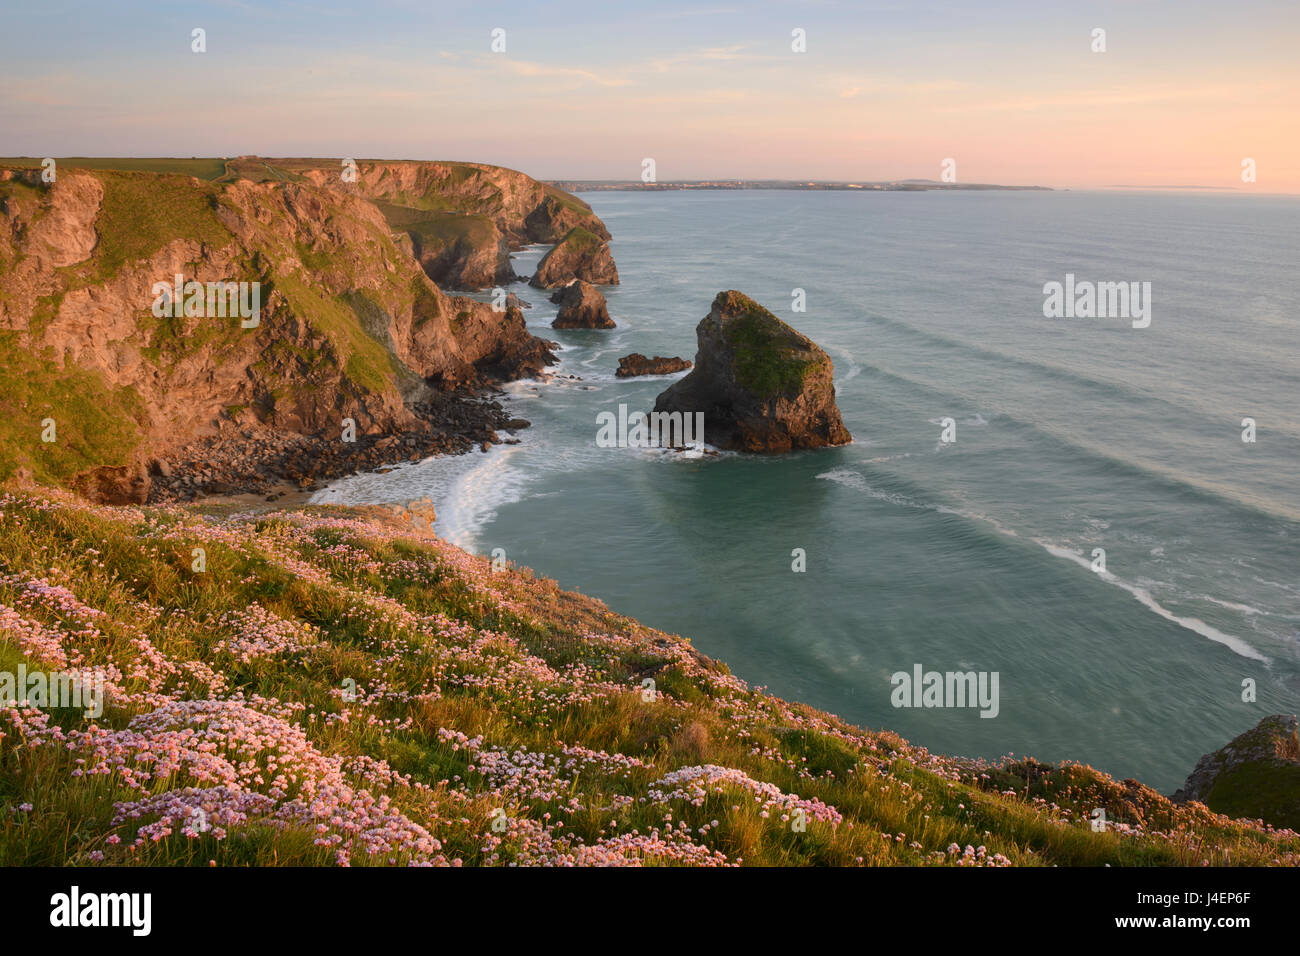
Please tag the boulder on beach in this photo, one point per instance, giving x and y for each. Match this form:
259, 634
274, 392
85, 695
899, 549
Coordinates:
630, 366
761, 385
579, 255
581, 307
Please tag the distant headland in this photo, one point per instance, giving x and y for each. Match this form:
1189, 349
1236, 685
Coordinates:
896, 185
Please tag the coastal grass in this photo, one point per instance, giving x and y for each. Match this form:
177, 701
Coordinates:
366, 361
141, 213
380, 687
451, 192
437, 231
580, 240
769, 354
1256, 788
94, 423
567, 200
201, 168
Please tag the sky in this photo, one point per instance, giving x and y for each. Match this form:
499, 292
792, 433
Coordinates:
1012, 92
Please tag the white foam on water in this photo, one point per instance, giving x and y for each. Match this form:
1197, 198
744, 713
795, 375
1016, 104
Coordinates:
692, 451
1274, 584
472, 500
1243, 608
432, 477
852, 479
1195, 624
1239, 646
854, 369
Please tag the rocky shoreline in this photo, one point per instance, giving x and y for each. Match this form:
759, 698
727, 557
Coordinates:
273, 464
142, 402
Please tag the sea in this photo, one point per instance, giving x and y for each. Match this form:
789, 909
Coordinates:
1101, 510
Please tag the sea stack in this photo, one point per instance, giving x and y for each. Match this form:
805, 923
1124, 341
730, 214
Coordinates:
581, 307
762, 386
581, 254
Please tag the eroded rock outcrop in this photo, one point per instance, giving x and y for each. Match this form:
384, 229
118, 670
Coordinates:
500, 345
348, 326
461, 252
462, 219
762, 386
581, 254
582, 306
631, 366
523, 209
1256, 776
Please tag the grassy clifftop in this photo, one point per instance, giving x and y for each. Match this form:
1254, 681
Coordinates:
466, 213
83, 347
97, 383
339, 686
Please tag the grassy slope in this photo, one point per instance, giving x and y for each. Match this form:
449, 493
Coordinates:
580, 239
439, 230
480, 696
289, 170
142, 212
568, 200
99, 425
1266, 784
95, 424
1273, 790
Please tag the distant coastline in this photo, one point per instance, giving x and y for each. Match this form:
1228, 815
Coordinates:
897, 185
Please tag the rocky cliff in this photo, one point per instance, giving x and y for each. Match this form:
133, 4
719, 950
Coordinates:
524, 209
455, 251
762, 386
581, 254
1257, 775
462, 218
99, 381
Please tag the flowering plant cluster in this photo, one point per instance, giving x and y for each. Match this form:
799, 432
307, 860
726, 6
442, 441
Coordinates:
334, 687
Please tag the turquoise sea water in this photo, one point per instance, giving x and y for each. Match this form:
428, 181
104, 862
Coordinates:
1072, 435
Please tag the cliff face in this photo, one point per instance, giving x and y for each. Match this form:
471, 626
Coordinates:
455, 251
349, 326
462, 218
521, 207
762, 386
1257, 775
